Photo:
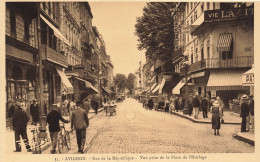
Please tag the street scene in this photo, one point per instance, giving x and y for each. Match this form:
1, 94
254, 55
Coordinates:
129, 77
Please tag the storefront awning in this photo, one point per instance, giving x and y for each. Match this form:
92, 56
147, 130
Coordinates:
224, 43
57, 33
225, 78
88, 84
177, 88
162, 85
248, 78
156, 88
65, 81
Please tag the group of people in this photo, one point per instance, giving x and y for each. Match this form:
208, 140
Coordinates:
79, 122
247, 113
19, 118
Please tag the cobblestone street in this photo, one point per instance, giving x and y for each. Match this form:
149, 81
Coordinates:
137, 130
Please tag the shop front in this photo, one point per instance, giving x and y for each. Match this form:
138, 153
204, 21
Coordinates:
227, 84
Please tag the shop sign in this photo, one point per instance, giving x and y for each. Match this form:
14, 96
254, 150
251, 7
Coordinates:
231, 14
248, 78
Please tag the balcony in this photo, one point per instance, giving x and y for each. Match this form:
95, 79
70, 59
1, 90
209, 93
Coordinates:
53, 56
214, 63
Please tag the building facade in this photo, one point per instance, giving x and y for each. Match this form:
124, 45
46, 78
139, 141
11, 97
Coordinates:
218, 40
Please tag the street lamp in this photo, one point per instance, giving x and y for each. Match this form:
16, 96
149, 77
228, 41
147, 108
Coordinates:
186, 63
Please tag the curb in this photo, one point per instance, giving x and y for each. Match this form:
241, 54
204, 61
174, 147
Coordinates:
202, 122
243, 139
46, 146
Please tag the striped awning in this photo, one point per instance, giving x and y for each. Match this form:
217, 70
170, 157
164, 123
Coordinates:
225, 41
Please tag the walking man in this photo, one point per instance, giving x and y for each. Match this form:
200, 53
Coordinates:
11, 112
94, 103
80, 122
20, 120
196, 105
53, 119
204, 106
86, 104
244, 112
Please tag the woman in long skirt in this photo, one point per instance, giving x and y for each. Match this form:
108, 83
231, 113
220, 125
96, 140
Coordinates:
216, 115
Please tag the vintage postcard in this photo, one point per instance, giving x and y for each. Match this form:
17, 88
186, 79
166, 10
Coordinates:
129, 81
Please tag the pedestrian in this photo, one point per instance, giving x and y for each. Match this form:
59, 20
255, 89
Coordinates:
172, 105
221, 105
166, 105
65, 106
11, 112
94, 103
176, 103
150, 104
86, 104
196, 105
204, 106
20, 120
244, 112
216, 115
80, 122
189, 104
53, 119
251, 111
35, 112
72, 107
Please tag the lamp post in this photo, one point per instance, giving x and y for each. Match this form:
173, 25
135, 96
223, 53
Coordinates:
186, 62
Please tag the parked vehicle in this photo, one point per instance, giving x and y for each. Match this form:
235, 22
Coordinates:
160, 102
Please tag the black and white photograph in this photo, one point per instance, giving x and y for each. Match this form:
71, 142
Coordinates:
128, 80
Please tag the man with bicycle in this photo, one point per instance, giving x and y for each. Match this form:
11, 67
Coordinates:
80, 122
53, 119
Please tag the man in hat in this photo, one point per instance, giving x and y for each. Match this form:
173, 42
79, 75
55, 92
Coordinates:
35, 113
20, 120
80, 122
53, 119
244, 112
196, 105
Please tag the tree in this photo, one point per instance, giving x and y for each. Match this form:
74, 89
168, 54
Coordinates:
130, 82
120, 82
155, 30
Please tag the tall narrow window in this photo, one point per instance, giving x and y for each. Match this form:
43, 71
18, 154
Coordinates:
202, 53
214, 5
20, 28
7, 22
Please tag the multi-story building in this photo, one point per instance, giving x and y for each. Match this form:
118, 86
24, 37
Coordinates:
218, 39
34, 58
22, 52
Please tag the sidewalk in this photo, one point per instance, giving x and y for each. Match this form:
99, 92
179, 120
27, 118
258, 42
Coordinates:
10, 144
229, 118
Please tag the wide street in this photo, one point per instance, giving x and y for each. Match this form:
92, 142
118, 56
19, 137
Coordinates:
136, 130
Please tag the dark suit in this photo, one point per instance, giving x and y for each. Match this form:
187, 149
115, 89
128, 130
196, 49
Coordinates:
20, 121
244, 113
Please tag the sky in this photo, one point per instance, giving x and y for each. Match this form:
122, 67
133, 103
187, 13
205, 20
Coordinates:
116, 21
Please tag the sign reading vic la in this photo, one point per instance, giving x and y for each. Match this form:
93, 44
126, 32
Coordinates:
231, 14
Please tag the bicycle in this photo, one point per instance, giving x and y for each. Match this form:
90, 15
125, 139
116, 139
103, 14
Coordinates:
37, 140
63, 139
